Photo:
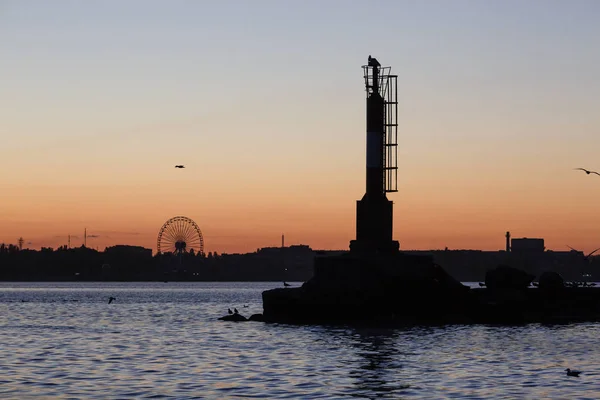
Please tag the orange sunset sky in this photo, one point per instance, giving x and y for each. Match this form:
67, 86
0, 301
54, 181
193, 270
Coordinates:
264, 103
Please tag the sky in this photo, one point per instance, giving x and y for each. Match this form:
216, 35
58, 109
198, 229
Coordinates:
264, 103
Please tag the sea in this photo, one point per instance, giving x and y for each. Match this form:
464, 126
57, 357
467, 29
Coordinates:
164, 341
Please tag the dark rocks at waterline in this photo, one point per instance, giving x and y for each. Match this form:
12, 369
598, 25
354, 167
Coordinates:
505, 277
404, 291
536, 305
240, 318
532, 305
233, 317
300, 305
256, 317
361, 289
551, 280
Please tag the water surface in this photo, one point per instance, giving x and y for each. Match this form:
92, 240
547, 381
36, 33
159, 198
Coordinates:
163, 340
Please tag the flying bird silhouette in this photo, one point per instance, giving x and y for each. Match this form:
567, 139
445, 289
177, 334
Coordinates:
180, 166
588, 172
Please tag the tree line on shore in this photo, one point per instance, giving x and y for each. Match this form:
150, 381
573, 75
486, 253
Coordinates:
133, 263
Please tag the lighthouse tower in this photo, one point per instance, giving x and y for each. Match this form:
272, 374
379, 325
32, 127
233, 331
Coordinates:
374, 212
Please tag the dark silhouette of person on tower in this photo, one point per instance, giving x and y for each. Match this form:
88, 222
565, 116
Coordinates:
373, 62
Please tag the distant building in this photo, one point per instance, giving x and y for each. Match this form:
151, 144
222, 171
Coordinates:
125, 250
527, 245
293, 249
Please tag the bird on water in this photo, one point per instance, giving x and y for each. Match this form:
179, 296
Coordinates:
572, 372
587, 172
111, 299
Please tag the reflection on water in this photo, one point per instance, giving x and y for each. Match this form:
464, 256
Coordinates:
63, 340
377, 370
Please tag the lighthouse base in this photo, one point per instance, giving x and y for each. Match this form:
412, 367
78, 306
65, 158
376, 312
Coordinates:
374, 226
378, 288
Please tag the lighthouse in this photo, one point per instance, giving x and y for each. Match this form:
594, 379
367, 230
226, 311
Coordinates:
374, 212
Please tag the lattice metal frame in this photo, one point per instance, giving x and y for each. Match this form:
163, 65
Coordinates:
387, 84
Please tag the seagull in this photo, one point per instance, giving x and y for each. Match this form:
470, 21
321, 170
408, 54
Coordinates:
571, 372
588, 172
235, 311
229, 311
110, 299
183, 166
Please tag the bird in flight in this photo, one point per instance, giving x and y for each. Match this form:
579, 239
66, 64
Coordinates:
588, 172
180, 166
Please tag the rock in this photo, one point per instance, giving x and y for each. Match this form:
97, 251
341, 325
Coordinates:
505, 277
551, 280
256, 317
233, 317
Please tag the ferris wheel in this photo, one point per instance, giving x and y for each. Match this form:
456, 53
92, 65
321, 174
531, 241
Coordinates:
180, 235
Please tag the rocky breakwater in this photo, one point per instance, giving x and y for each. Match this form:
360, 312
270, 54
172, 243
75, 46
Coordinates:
509, 298
376, 289
406, 290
